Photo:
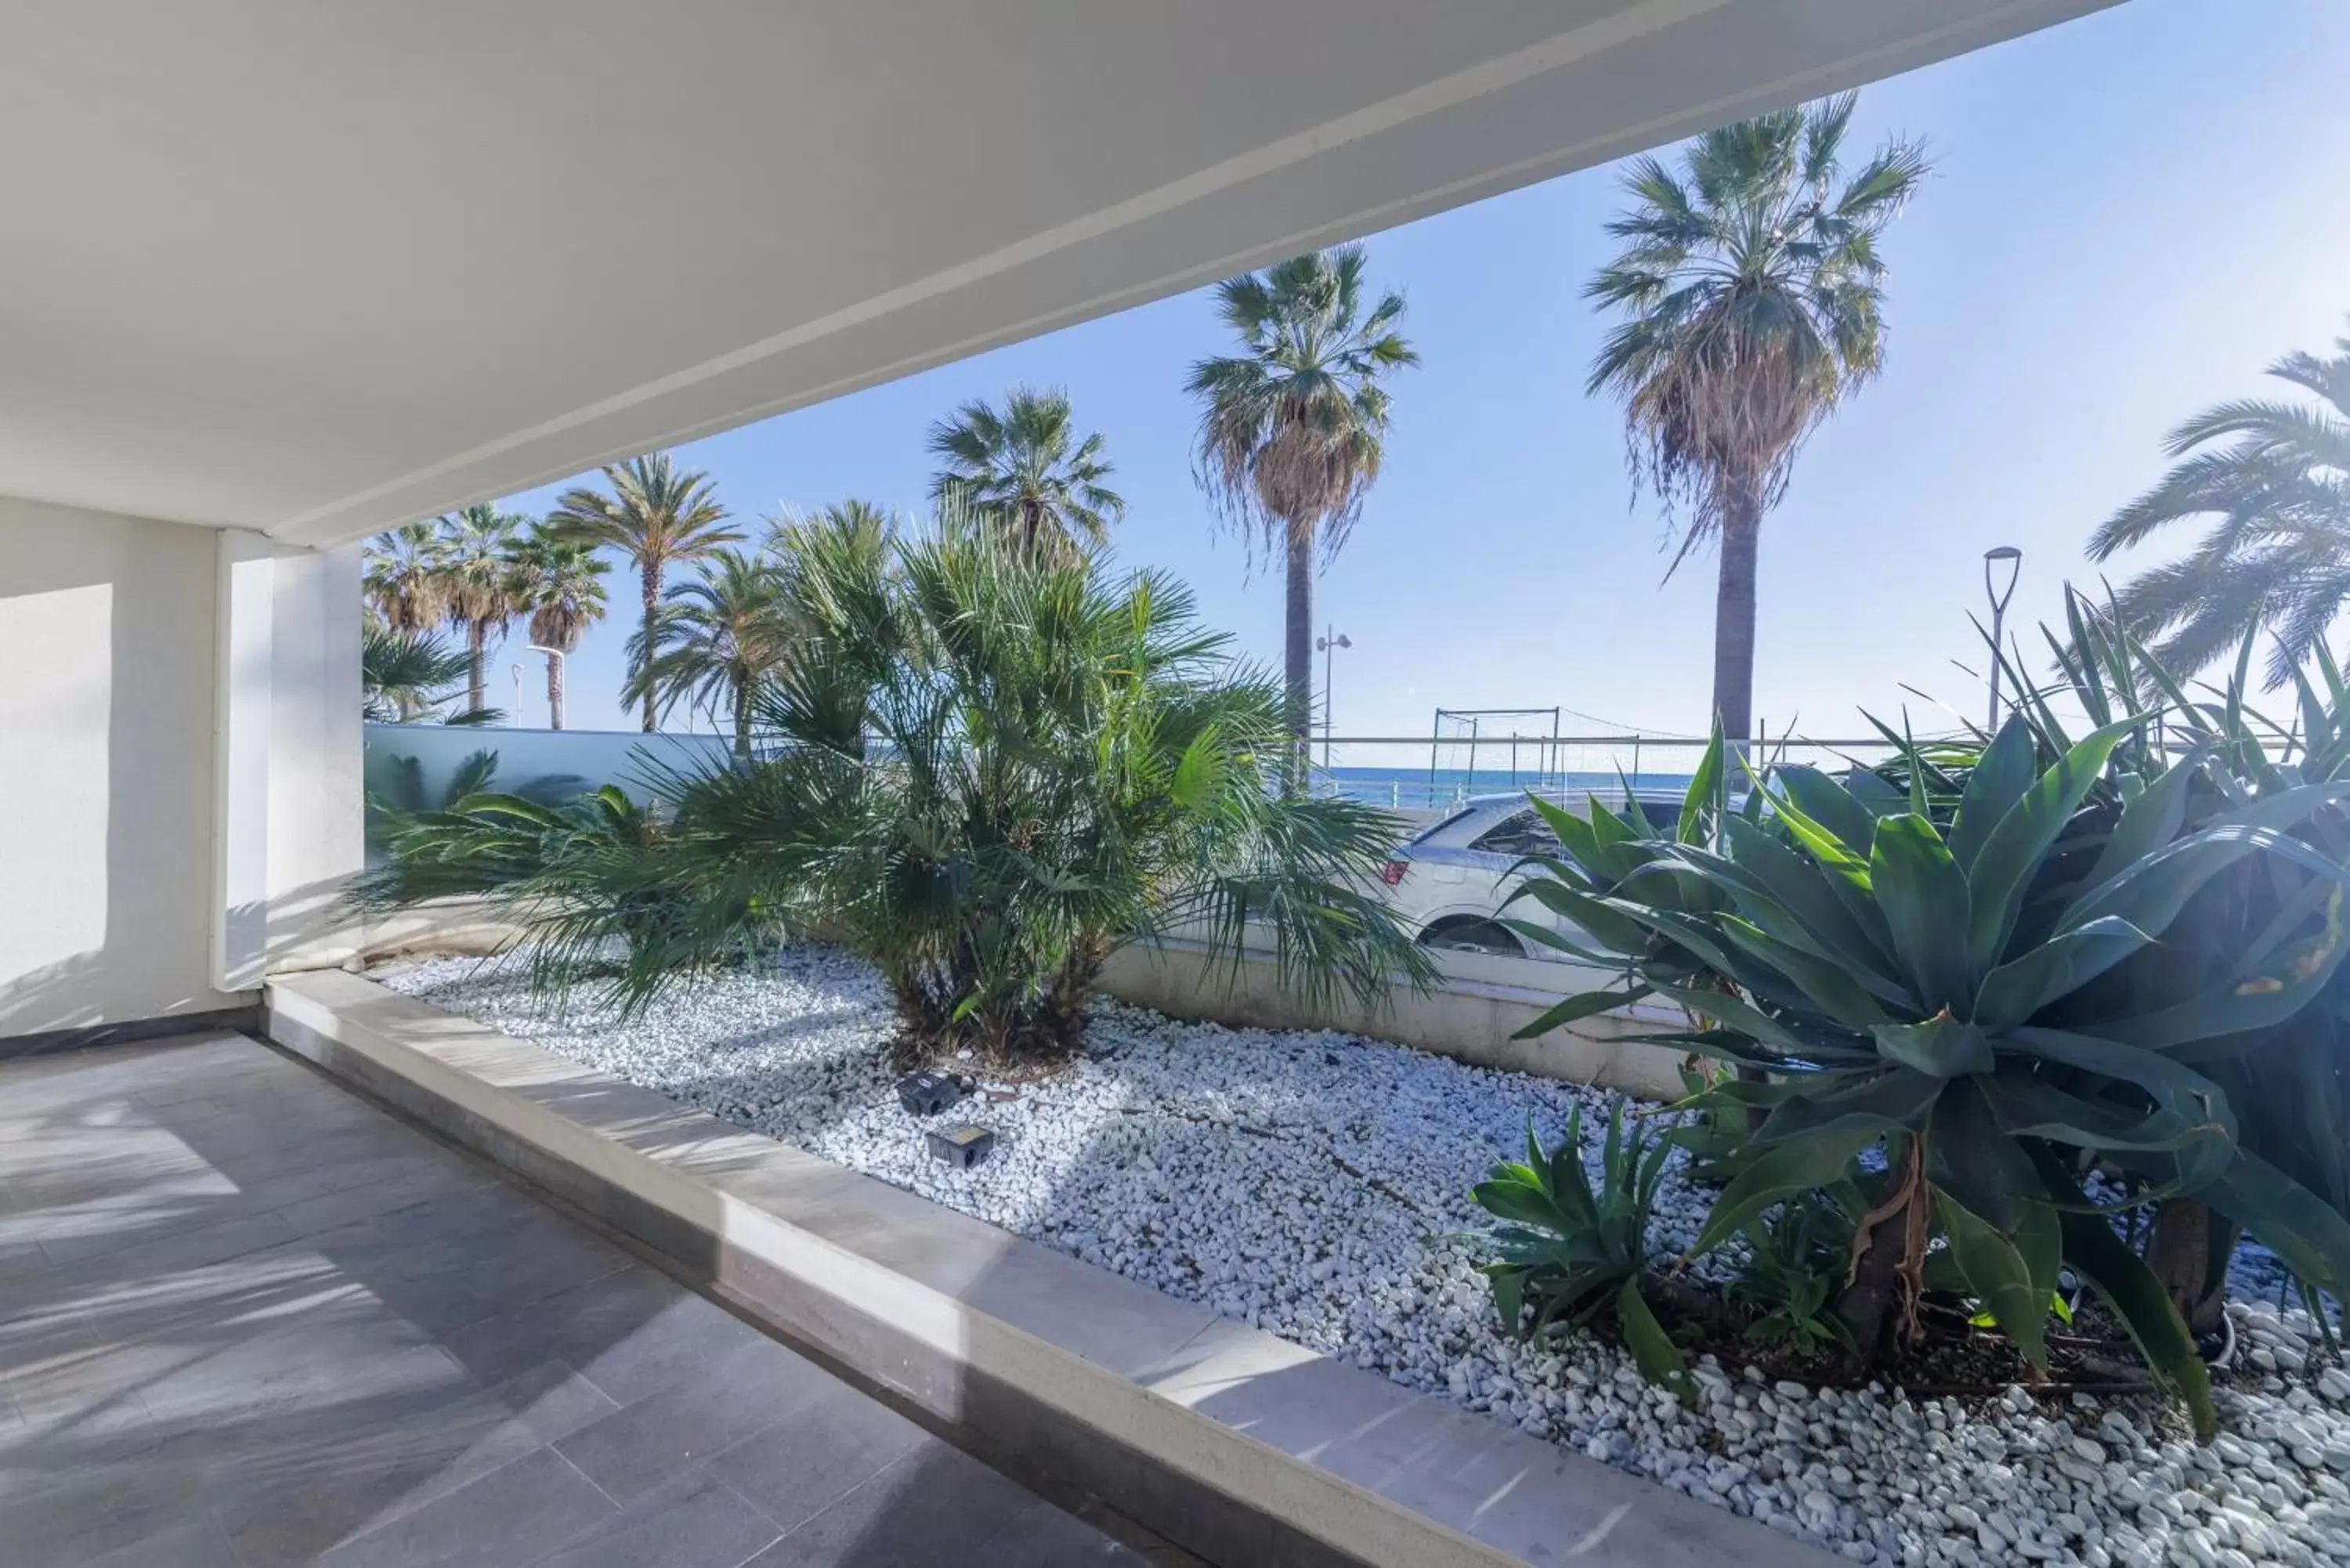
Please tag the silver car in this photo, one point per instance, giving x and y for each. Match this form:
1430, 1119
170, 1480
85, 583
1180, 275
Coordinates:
1447, 883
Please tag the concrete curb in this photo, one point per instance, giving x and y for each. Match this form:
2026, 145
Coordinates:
1230, 1442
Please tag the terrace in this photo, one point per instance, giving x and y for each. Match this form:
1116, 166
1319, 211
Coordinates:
296, 1268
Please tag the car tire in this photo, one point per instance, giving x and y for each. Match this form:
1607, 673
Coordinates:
1470, 934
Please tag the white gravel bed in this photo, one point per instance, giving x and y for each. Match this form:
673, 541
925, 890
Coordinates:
1312, 1184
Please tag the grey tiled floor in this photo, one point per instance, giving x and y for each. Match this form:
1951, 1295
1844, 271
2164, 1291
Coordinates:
246, 1320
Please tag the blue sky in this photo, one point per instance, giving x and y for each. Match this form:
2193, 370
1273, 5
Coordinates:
2130, 215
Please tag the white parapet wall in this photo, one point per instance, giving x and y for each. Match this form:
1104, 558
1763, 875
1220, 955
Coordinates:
1473, 1013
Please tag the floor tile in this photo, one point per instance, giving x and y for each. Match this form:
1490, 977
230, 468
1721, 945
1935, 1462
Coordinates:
695, 1522
797, 1468
503, 1518
642, 1445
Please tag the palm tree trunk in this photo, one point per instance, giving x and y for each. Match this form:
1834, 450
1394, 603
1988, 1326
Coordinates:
743, 722
554, 691
1733, 613
652, 579
1297, 645
477, 637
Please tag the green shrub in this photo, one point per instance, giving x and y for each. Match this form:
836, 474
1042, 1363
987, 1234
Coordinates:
986, 772
1971, 964
1567, 1253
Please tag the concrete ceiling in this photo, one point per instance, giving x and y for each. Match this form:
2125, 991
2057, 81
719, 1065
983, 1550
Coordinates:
317, 269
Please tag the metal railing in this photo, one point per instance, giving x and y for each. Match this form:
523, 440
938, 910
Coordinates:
1416, 773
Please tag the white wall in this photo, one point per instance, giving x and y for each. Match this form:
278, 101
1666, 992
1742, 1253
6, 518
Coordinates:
105, 751
177, 722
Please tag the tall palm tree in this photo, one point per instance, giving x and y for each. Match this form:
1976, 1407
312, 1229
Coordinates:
655, 516
718, 636
1023, 470
2279, 553
558, 586
1294, 426
477, 582
402, 580
1755, 293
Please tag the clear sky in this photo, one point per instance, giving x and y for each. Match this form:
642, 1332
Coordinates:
2130, 215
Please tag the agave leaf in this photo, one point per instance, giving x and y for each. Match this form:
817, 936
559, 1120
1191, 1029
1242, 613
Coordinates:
1583, 1005
2185, 1093
1923, 896
2016, 990
1998, 780
1827, 987
1940, 1047
2301, 1229
1660, 1361
2147, 821
1782, 1170
1509, 1286
1998, 1276
2015, 847
1804, 891
2121, 1277
1828, 805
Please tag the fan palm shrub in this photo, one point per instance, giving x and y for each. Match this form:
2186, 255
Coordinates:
718, 637
1753, 290
1023, 470
2273, 477
408, 676
989, 772
657, 517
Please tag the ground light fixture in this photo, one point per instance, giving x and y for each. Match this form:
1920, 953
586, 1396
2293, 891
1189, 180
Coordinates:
927, 1094
961, 1146
2007, 560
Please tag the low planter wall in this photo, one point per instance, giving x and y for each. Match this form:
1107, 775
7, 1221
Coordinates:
1480, 1003
1233, 1444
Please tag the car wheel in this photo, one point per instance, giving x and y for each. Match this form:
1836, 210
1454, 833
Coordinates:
1473, 936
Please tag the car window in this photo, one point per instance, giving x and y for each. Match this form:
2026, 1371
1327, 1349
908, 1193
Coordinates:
1519, 832
1438, 825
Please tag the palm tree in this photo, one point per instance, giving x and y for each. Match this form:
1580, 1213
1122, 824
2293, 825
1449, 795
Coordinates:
1754, 295
402, 580
558, 587
1292, 434
477, 582
656, 516
1018, 470
2279, 555
406, 675
716, 638
1076, 764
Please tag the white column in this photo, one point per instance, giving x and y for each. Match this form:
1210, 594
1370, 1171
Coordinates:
287, 807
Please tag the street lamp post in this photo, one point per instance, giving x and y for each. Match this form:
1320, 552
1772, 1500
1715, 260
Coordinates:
2011, 558
1327, 645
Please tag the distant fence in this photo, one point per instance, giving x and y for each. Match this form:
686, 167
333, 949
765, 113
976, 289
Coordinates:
1423, 774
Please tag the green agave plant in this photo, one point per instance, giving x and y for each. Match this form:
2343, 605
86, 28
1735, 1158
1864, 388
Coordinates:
1946, 988
1569, 1252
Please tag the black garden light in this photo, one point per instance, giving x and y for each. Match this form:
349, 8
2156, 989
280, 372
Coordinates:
961, 1146
927, 1094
